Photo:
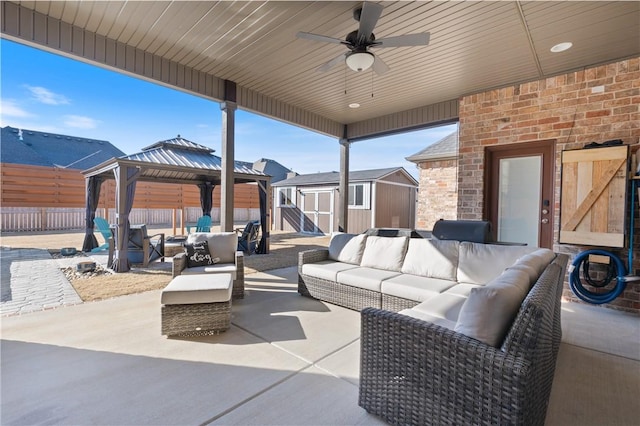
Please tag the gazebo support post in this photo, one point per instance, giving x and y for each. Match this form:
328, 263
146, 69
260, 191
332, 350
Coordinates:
343, 208
228, 108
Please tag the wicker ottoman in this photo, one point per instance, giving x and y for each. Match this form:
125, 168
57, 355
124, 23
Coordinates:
197, 304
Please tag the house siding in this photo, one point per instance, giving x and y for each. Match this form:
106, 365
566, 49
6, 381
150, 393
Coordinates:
564, 108
395, 206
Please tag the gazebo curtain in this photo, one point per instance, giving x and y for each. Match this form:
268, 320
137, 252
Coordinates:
262, 195
92, 192
121, 261
206, 197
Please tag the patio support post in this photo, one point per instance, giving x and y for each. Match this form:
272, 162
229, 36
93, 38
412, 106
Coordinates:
343, 208
228, 108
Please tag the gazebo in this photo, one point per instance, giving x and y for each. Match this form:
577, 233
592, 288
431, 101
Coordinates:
178, 161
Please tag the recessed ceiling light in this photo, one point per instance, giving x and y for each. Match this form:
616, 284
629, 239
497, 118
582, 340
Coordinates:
354, 105
561, 47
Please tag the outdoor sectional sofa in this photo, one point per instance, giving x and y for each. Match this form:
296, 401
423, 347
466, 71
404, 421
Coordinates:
477, 334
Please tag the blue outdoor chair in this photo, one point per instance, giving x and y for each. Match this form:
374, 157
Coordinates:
203, 225
103, 227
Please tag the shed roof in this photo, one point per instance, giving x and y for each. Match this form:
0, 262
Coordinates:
445, 148
334, 177
22, 146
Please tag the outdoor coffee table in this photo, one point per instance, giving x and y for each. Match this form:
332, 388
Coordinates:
197, 304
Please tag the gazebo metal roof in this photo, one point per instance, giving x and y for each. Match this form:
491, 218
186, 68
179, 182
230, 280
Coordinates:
177, 160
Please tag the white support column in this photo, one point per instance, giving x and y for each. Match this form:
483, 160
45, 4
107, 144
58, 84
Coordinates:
343, 204
228, 165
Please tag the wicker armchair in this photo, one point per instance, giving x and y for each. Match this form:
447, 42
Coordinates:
232, 262
415, 372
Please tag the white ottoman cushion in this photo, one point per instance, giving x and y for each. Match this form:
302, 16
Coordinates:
188, 289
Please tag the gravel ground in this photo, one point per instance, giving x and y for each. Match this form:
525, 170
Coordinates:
101, 284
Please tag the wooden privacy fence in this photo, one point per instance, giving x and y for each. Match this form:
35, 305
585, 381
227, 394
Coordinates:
35, 198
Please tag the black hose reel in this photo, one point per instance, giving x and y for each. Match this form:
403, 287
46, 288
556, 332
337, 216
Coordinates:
615, 270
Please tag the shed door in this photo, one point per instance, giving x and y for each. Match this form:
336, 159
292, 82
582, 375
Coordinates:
317, 212
593, 201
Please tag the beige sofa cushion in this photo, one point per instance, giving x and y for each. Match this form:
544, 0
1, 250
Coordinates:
442, 322
347, 248
431, 258
222, 245
326, 269
367, 278
448, 304
480, 263
384, 253
538, 259
489, 310
413, 287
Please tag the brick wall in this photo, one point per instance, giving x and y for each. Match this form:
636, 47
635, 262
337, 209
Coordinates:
564, 108
438, 192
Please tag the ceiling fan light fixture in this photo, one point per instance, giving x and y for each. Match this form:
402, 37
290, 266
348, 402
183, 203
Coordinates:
360, 61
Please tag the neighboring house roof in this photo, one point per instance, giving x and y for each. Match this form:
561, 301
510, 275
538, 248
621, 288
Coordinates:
22, 146
271, 167
445, 148
332, 178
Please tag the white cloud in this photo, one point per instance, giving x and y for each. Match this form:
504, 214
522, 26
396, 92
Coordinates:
80, 122
46, 96
10, 108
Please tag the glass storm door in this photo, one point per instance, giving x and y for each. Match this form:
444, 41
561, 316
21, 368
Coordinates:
519, 192
519, 199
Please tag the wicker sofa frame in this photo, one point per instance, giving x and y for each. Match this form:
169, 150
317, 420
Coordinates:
413, 372
180, 263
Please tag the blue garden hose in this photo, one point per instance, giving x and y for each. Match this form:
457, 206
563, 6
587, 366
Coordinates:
582, 260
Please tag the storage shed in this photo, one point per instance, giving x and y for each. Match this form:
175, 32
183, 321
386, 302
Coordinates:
380, 198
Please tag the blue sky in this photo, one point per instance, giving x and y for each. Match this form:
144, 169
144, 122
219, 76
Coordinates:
50, 93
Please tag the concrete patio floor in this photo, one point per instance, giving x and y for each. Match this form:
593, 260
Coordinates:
286, 360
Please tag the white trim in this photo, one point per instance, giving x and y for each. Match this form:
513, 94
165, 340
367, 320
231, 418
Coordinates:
396, 184
373, 204
316, 212
292, 199
366, 195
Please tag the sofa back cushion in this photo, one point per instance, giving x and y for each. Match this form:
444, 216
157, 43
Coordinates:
480, 263
347, 248
489, 310
222, 245
384, 253
431, 258
538, 259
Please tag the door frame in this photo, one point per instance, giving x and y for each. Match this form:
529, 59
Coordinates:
493, 154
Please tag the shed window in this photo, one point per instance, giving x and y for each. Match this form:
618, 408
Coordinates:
359, 196
286, 197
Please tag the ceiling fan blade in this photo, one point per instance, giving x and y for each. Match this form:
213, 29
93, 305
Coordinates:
332, 63
318, 37
379, 66
403, 40
368, 19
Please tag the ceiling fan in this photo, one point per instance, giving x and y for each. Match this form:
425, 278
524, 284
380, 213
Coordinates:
358, 58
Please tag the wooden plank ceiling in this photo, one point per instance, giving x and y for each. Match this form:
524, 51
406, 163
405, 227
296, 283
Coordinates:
474, 46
